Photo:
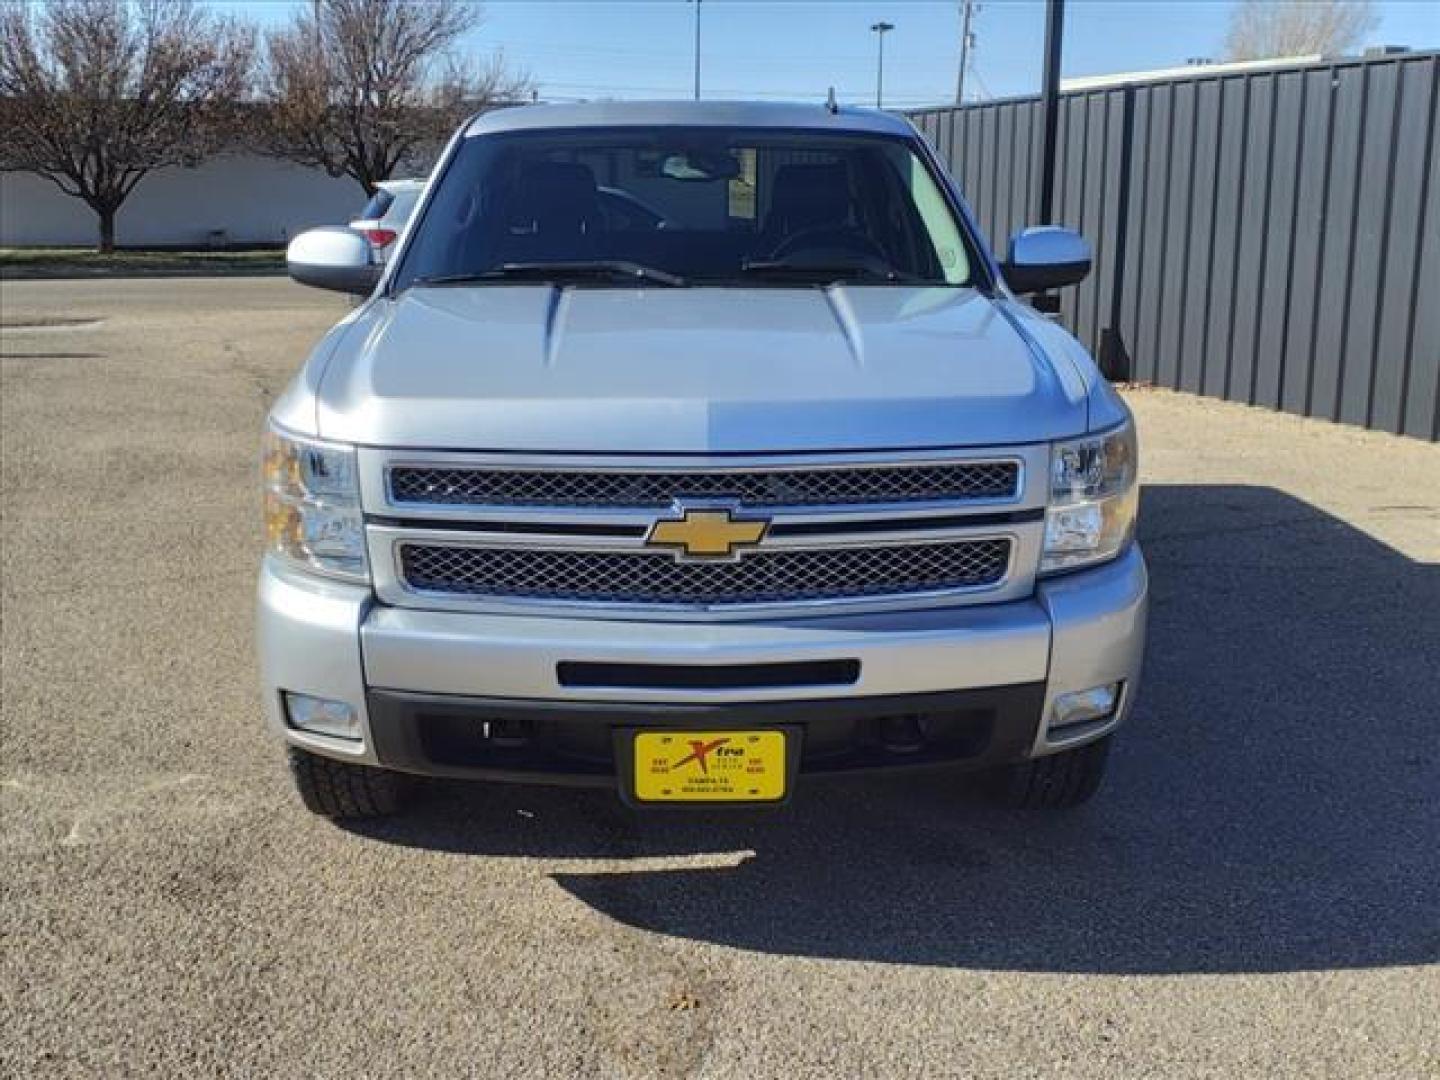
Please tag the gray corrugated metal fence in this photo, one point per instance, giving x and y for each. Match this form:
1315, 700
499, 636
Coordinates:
1268, 237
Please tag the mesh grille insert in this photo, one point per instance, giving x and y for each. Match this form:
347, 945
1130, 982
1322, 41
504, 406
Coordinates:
652, 578
460, 486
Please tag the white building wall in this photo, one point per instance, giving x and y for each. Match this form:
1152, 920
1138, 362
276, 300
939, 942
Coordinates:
252, 199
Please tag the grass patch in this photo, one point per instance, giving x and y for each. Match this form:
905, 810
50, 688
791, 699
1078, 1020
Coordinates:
136, 262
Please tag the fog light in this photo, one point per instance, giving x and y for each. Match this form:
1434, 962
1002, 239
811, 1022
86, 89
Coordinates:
1083, 706
322, 716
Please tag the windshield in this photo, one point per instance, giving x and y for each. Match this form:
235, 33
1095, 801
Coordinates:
694, 206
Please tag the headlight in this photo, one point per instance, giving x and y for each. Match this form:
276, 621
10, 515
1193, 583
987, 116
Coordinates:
1093, 499
312, 505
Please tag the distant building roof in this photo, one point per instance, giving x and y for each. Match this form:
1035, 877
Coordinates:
1097, 82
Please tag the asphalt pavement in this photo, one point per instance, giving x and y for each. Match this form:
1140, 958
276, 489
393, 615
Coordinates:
1255, 892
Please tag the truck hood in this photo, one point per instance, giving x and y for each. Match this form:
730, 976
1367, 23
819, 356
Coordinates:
698, 370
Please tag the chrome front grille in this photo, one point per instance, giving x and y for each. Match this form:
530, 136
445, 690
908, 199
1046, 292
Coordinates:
760, 577
851, 531
959, 482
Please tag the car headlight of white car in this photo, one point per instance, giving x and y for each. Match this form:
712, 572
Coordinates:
1094, 495
312, 505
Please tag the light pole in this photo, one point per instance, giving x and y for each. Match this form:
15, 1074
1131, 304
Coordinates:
697, 50
1050, 106
881, 29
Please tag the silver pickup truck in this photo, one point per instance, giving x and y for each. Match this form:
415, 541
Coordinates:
775, 479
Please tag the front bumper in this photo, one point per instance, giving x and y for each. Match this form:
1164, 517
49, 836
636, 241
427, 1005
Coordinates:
541, 698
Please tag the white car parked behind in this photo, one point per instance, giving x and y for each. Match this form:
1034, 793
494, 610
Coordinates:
383, 219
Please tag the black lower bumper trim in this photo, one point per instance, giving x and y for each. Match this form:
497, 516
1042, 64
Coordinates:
798, 674
574, 742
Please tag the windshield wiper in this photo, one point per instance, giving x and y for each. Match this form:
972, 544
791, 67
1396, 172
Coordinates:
826, 273
577, 270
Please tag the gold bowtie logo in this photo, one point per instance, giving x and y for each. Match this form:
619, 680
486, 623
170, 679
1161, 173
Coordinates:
707, 534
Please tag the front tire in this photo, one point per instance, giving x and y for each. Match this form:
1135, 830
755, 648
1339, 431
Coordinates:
338, 789
1054, 782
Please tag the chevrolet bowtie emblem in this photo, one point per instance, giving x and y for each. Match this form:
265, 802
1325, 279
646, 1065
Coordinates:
707, 534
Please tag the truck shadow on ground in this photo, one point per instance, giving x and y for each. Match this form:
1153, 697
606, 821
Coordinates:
1273, 806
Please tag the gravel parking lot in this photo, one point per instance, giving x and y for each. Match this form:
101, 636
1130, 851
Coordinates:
1255, 893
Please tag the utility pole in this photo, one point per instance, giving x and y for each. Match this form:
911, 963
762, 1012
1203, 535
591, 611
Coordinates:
967, 39
1050, 123
1050, 103
697, 50
881, 29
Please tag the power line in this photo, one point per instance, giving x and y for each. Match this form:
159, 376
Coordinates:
819, 63
670, 53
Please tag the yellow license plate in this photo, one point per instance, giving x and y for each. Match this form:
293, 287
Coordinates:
709, 766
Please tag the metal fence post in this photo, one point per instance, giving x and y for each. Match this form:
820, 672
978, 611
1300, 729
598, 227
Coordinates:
1114, 357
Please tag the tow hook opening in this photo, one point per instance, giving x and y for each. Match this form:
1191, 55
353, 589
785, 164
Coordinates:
904, 734
958, 734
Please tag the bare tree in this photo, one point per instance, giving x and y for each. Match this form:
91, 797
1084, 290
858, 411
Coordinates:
358, 87
1261, 29
97, 94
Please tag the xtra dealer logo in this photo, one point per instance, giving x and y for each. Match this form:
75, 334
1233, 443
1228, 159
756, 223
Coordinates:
701, 750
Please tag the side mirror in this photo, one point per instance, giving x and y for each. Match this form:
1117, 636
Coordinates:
332, 258
1045, 258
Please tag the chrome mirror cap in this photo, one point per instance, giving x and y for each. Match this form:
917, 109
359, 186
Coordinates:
333, 258
1046, 257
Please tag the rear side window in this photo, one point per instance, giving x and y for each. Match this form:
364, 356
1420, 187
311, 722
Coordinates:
375, 209
401, 205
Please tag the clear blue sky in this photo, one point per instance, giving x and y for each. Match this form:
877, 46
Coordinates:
798, 48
